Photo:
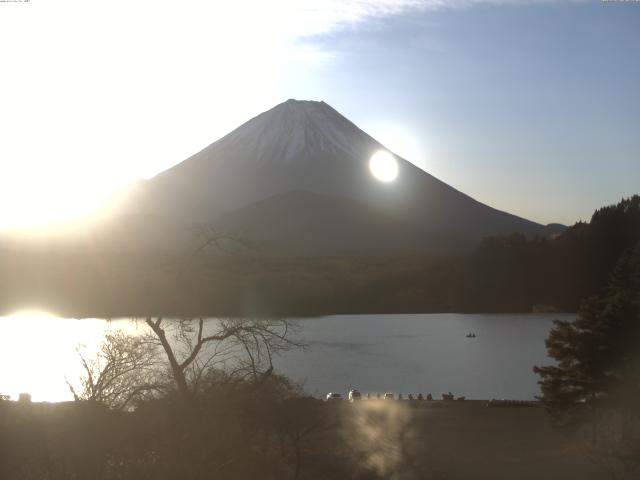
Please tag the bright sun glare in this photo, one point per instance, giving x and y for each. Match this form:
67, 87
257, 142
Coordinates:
31, 199
383, 166
58, 341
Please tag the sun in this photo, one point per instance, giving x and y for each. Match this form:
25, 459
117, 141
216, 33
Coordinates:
34, 199
383, 166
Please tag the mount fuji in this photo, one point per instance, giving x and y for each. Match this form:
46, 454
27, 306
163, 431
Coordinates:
296, 180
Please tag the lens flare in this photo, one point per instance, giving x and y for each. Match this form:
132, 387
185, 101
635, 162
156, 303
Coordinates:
383, 166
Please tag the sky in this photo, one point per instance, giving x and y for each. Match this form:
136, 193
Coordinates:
529, 106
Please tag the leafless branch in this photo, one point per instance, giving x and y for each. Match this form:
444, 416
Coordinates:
245, 347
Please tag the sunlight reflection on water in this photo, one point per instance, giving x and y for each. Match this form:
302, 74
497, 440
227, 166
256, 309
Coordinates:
37, 352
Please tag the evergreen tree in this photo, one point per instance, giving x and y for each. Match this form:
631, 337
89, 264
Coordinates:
595, 385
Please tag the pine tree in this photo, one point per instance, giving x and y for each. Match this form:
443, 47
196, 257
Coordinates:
595, 386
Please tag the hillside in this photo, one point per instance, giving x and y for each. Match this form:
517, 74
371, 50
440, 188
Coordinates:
307, 149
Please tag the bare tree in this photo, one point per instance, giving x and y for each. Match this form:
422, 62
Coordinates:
208, 236
244, 346
125, 369
298, 420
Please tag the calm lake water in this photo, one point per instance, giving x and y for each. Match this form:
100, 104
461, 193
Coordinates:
423, 353
374, 353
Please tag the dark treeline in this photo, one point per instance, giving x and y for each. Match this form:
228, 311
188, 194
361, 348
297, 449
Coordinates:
237, 430
243, 430
513, 273
504, 274
592, 391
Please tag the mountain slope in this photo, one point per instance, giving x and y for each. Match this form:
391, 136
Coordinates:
308, 146
318, 224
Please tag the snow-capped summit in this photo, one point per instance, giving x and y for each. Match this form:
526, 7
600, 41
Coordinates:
297, 145
282, 134
299, 173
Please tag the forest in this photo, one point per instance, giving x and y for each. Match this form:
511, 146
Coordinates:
503, 274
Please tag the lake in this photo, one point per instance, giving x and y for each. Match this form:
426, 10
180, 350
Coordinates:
426, 353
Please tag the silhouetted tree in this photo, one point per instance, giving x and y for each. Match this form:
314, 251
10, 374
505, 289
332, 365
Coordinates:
596, 382
245, 346
208, 236
124, 370
297, 420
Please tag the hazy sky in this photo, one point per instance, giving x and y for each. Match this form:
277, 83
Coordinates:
529, 106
